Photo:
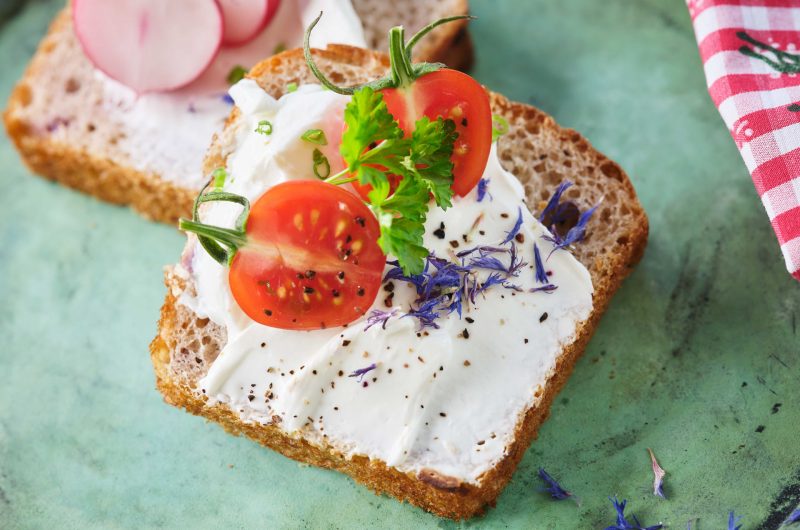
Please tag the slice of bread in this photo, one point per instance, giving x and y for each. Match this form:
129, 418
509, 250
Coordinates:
541, 154
60, 120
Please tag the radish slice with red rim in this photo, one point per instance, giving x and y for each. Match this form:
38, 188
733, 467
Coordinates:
243, 20
149, 45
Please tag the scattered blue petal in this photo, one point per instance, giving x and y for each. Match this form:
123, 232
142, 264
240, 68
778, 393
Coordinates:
794, 517
488, 262
361, 371
549, 288
622, 522
426, 313
553, 487
515, 230
482, 249
575, 234
733, 521
483, 184
541, 274
552, 204
379, 317
227, 98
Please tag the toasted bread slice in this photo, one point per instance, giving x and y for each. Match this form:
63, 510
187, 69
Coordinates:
66, 130
541, 154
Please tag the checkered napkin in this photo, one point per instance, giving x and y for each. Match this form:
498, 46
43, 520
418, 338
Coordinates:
751, 57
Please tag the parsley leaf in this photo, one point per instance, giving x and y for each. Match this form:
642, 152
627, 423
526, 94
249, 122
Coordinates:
375, 147
431, 150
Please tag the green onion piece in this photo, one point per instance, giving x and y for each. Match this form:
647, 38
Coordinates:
280, 47
264, 127
219, 175
321, 162
315, 136
291, 87
236, 74
499, 126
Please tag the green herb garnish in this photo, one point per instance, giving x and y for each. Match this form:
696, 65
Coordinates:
374, 147
499, 126
264, 127
321, 163
291, 87
236, 74
315, 136
218, 176
280, 47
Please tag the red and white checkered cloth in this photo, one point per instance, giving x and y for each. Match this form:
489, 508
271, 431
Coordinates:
751, 57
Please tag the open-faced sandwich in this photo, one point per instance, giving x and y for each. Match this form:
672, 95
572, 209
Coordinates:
392, 280
122, 97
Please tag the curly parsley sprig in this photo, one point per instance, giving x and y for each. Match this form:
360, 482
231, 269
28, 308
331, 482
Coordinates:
374, 147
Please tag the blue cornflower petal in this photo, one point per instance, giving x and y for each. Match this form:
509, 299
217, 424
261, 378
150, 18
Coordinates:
552, 204
622, 522
575, 234
227, 99
794, 517
361, 371
553, 487
733, 521
488, 262
482, 185
541, 274
379, 317
515, 230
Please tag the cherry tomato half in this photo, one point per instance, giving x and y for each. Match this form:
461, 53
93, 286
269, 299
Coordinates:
454, 95
311, 260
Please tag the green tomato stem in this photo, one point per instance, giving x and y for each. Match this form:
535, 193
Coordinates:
220, 243
233, 240
402, 68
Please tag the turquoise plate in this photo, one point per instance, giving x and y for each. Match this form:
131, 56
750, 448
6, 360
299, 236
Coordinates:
698, 356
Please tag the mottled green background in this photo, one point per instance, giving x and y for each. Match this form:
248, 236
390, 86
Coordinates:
691, 359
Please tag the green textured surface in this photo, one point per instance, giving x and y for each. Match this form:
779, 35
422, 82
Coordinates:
695, 350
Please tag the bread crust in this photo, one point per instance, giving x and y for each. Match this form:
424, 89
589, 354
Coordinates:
443, 496
111, 179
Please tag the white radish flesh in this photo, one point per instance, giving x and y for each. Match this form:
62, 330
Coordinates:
149, 45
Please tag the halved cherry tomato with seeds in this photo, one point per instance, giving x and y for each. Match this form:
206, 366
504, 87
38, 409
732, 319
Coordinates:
312, 258
307, 257
454, 95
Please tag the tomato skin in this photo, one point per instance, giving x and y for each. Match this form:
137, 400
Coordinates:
449, 94
312, 259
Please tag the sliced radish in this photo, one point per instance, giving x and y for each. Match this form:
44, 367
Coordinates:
243, 20
149, 45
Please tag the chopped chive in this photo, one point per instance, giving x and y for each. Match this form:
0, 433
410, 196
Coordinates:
321, 162
499, 126
315, 136
291, 87
280, 47
264, 127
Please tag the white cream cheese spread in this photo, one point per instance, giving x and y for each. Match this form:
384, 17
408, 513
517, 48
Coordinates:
448, 398
168, 133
